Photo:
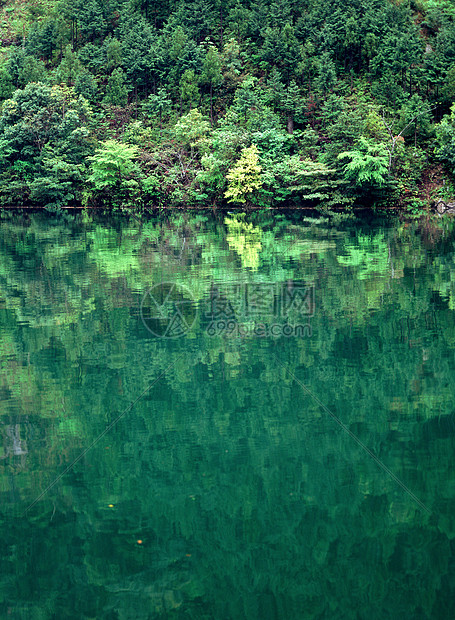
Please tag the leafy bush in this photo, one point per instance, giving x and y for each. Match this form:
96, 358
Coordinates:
244, 178
114, 174
367, 166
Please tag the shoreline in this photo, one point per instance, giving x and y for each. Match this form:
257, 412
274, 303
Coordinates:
153, 211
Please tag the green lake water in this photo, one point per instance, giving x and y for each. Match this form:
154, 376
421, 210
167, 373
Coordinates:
241, 418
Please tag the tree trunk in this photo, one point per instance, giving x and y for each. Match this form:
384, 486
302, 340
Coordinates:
221, 26
211, 105
290, 123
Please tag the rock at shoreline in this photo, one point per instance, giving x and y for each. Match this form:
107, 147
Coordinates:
443, 207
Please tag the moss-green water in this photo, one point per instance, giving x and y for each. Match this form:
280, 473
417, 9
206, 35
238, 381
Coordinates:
229, 490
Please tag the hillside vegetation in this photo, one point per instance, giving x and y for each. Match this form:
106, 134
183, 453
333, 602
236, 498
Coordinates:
147, 103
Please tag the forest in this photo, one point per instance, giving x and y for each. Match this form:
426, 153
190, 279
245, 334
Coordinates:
133, 105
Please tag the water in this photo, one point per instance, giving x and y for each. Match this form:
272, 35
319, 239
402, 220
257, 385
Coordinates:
254, 419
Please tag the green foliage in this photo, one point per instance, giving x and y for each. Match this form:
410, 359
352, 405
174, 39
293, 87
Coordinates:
211, 179
211, 73
244, 178
192, 129
445, 139
58, 184
116, 89
86, 85
23, 68
188, 87
6, 84
231, 59
325, 74
293, 180
415, 117
159, 104
367, 165
113, 53
69, 68
138, 38
211, 68
112, 165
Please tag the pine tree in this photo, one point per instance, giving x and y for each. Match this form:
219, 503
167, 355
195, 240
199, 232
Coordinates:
275, 89
188, 88
327, 75
85, 85
211, 73
159, 104
291, 104
69, 68
116, 89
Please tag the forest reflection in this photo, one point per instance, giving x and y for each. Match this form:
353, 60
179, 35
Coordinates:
226, 491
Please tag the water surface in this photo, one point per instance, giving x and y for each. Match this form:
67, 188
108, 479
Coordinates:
254, 418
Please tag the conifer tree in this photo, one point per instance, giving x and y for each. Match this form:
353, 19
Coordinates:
211, 73
116, 89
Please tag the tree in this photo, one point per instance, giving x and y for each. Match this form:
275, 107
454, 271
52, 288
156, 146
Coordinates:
116, 89
191, 129
92, 25
114, 173
42, 39
445, 139
367, 166
327, 75
6, 84
85, 85
57, 184
238, 21
281, 49
159, 104
211, 73
415, 116
176, 54
23, 68
188, 88
113, 53
44, 142
244, 178
138, 39
93, 57
396, 139
231, 58
69, 68
275, 89
291, 104
39, 115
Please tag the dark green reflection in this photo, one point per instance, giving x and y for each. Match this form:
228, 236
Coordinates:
226, 491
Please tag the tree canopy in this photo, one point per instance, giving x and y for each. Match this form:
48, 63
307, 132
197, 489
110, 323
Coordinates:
352, 75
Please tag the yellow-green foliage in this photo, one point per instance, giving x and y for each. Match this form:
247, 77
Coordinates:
192, 129
244, 178
245, 239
